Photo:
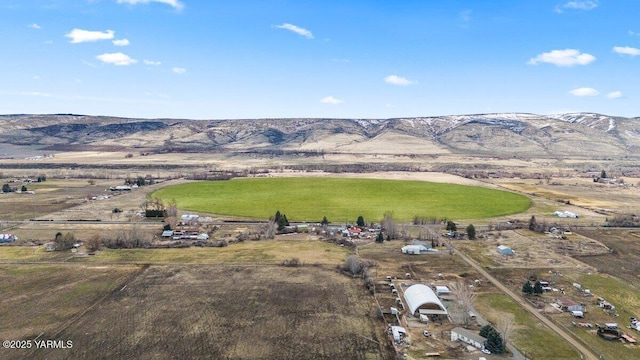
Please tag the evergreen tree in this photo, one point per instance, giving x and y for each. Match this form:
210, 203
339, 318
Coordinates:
325, 221
380, 237
451, 226
494, 342
527, 288
603, 174
281, 220
537, 288
24, 188
6, 188
471, 232
360, 221
484, 331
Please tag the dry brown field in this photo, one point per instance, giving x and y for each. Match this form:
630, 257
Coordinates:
623, 261
222, 312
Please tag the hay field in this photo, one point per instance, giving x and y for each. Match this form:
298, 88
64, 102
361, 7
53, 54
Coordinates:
309, 199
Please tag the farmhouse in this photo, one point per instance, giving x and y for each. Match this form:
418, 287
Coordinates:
422, 300
505, 250
468, 336
569, 305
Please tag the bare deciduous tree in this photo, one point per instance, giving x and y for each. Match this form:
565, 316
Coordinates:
389, 225
172, 209
464, 296
270, 229
353, 264
505, 326
94, 243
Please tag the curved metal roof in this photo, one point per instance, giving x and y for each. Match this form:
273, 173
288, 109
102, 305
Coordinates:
421, 296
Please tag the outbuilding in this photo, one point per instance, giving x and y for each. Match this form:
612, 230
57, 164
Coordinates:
7, 238
442, 290
505, 250
411, 249
421, 299
189, 217
398, 333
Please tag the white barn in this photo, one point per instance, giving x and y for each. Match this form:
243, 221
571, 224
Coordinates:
422, 300
412, 249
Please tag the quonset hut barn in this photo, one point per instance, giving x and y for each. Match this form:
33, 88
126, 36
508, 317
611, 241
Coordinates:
421, 299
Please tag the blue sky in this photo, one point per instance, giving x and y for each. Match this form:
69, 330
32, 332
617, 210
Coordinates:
214, 59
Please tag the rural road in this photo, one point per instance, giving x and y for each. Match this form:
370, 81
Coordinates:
585, 352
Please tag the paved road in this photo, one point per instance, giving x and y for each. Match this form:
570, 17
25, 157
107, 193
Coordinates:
585, 352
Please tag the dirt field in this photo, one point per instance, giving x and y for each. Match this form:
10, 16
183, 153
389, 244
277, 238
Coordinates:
533, 250
224, 312
39, 298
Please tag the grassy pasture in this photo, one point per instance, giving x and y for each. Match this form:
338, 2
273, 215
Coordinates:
309, 199
528, 335
248, 252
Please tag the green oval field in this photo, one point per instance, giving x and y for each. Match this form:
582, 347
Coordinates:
339, 199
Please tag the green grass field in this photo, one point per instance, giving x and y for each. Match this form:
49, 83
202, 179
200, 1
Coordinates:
529, 335
309, 199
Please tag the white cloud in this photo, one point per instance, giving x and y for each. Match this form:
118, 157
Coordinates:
577, 5
121, 42
298, 30
173, 3
398, 80
119, 59
614, 95
566, 57
331, 100
625, 50
584, 91
633, 33
80, 36
34, 26
179, 70
151, 62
